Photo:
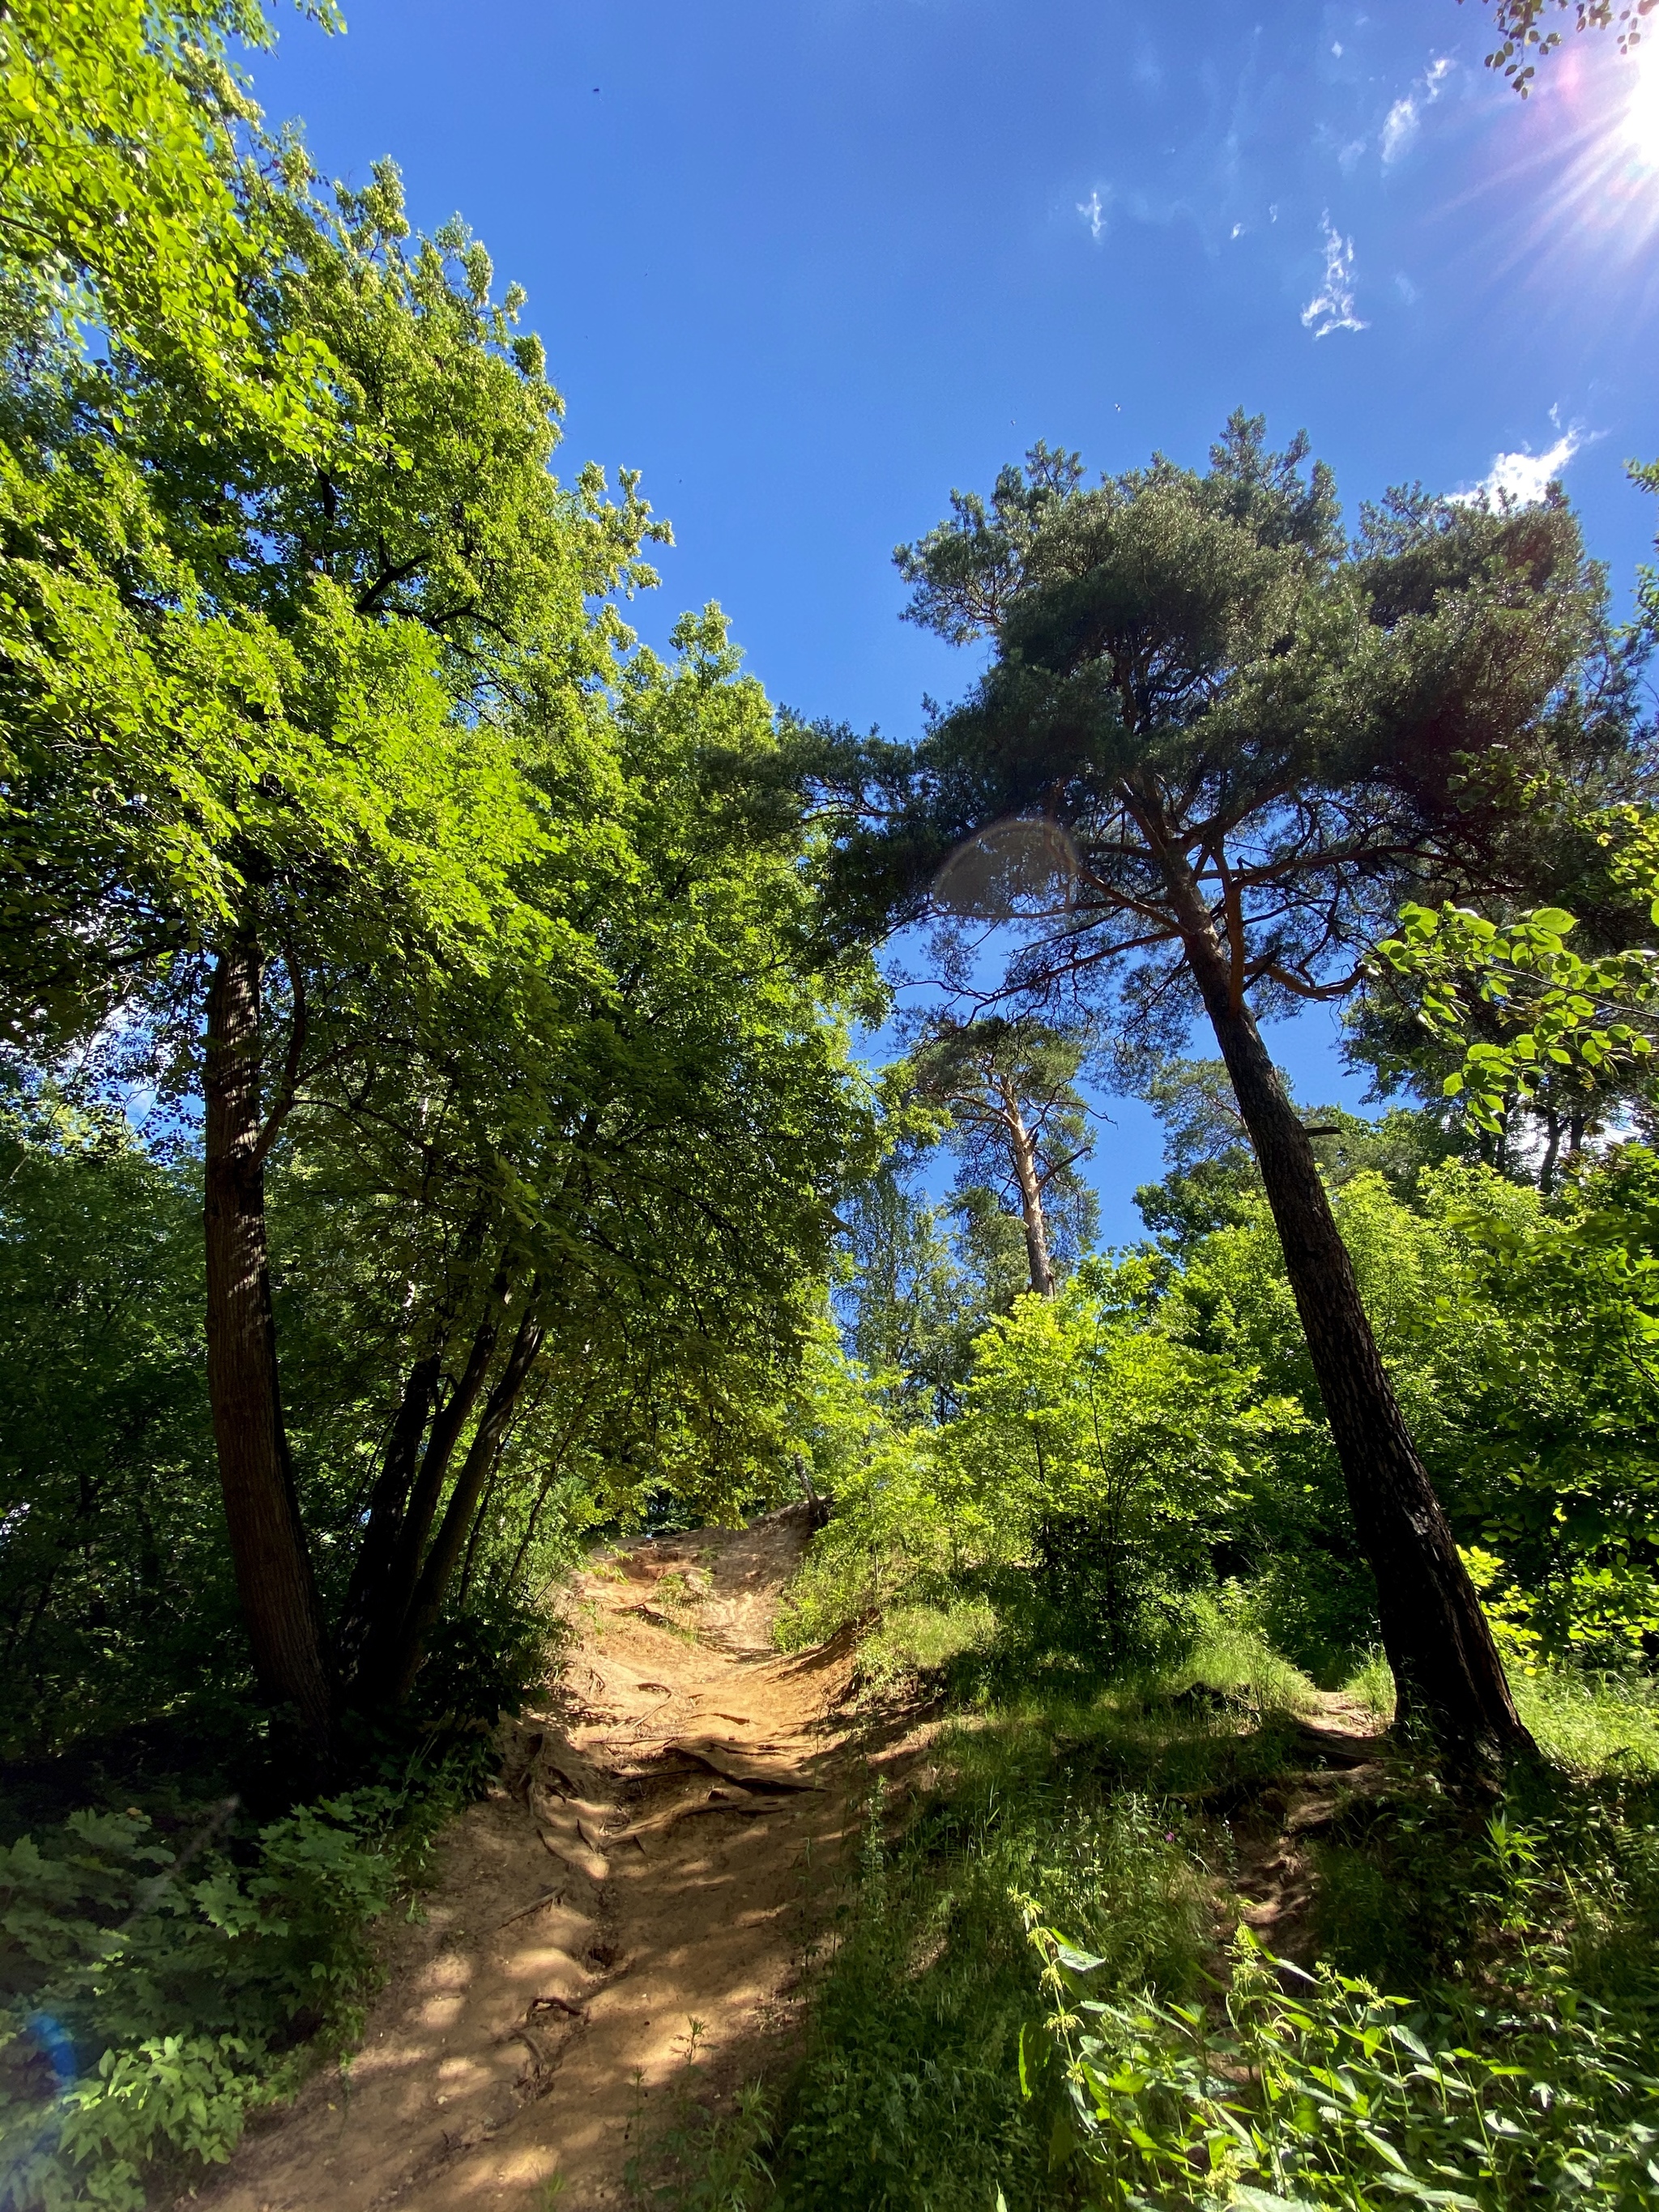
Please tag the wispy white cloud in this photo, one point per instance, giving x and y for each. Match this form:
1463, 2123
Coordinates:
1522, 479
1404, 120
1332, 308
1399, 127
1093, 211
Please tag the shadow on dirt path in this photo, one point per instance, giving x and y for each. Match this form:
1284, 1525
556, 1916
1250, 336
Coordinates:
653, 1854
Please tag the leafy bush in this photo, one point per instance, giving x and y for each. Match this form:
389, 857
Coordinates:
155, 1993
1331, 2093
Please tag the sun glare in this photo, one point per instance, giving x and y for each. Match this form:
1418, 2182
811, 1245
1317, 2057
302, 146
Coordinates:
1600, 149
1641, 116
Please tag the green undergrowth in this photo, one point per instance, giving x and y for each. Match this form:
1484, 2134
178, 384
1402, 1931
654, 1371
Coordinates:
1313, 2088
1587, 1723
1037, 1991
162, 1980
915, 1640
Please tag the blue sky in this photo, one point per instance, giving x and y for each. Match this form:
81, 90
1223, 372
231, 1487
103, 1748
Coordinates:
809, 263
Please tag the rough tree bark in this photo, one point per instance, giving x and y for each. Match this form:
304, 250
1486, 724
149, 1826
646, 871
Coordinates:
274, 1575
1445, 1664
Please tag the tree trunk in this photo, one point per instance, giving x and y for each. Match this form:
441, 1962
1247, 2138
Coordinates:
1552, 1151
386, 1606
477, 1470
1446, 1667
1022, 1148
274, 1576
393, 1492
387, 1504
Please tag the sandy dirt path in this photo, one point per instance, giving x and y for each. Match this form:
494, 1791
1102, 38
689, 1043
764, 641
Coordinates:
656, 1848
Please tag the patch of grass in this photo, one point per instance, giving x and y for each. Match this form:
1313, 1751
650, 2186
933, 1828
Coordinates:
1587, 1724
1229, 1655
909, 2098
1371, 1919
1106, 1809
1592, 1725
1371, 1684
921, 1639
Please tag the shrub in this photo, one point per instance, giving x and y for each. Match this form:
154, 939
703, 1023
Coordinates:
1328, 2092
154, 1995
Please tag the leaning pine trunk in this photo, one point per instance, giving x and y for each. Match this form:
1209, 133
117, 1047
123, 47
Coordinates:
1446, 1667
274, 1576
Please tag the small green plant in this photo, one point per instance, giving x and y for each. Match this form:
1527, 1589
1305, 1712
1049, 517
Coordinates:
702, 2159
712, 2162
1313, 2089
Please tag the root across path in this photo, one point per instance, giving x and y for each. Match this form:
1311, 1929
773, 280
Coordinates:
648, 1859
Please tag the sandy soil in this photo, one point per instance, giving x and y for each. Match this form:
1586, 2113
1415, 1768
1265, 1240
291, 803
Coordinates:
653, 1854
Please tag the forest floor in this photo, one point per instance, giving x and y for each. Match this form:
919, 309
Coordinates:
638, 1888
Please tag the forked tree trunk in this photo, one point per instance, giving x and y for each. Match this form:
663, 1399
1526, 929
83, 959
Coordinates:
477, 1469
387, 1505
384, 1602
1446, 1667
1021, 1149
274, 1576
